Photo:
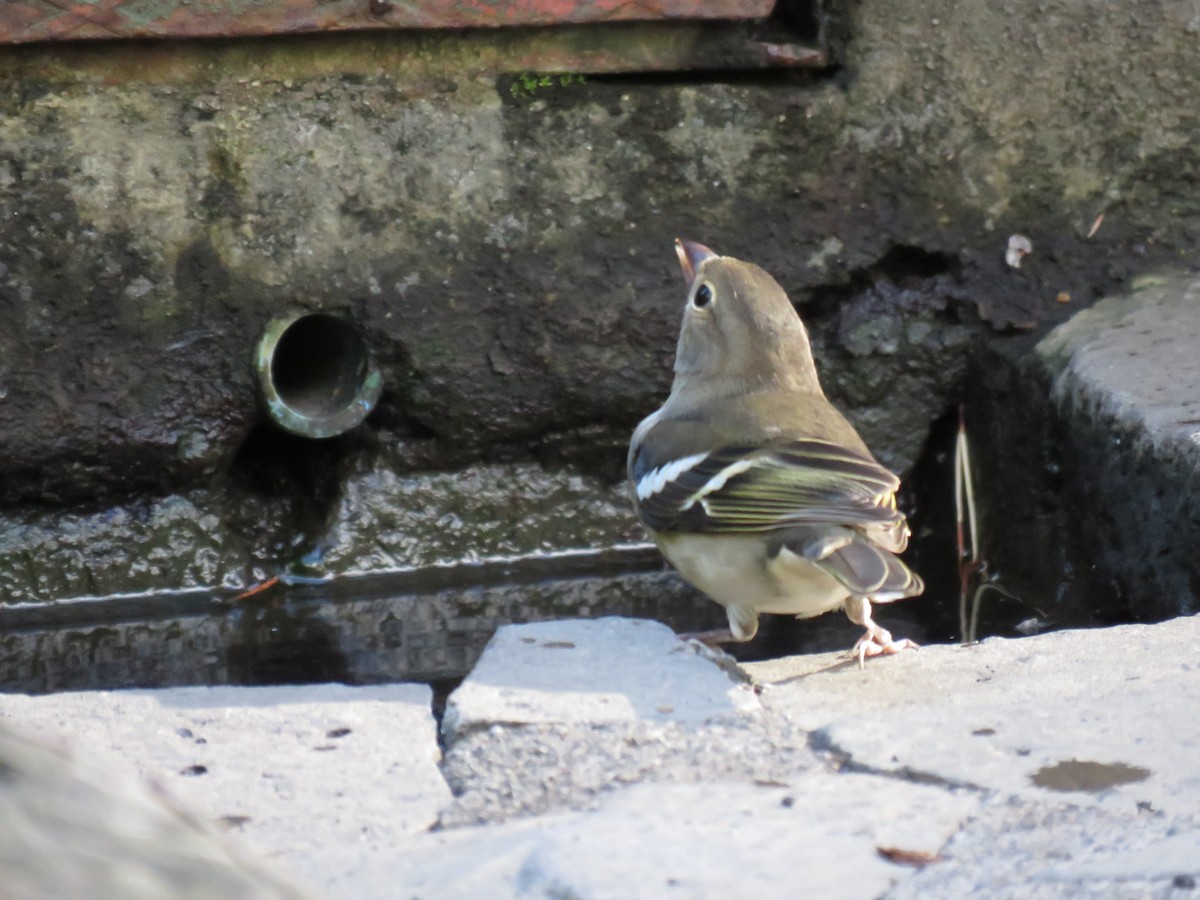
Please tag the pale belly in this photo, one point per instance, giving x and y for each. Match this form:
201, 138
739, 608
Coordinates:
734, 571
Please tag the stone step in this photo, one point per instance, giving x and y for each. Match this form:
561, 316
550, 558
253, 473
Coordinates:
1047, 766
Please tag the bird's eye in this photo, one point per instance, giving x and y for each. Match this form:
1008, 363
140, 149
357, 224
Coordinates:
703, 296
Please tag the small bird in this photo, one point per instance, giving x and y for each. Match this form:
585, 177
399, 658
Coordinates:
753, 485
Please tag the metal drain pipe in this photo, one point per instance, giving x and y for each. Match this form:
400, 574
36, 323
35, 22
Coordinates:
315, 374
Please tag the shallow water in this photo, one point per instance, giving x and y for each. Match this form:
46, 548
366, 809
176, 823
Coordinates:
426, 624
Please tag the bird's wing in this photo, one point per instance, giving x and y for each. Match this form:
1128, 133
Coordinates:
762, 489
863, 567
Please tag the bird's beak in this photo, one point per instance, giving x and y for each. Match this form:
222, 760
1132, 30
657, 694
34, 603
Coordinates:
691, 255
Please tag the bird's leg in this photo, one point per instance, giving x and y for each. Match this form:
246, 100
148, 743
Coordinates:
713, 638
743, 625
876, 641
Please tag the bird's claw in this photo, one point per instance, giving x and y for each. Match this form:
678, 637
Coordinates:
880, 643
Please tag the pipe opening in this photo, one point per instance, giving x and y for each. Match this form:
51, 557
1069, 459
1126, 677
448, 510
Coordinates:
316, 375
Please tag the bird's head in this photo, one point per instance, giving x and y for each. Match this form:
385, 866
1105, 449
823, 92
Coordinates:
739, 324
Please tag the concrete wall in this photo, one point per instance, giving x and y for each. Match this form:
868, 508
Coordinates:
507, 254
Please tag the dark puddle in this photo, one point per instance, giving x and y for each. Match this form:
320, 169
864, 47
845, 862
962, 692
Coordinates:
1085, 775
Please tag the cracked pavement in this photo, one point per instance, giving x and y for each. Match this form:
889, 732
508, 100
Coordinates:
605, 758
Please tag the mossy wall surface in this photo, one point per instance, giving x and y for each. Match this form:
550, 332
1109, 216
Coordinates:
507, 254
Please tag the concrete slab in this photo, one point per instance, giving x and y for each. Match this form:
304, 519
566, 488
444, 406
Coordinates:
1061, 765
558, 714
1124, 377
1013, 849
1135, 355
533, 769
592, 672
1084, 717
318, 777
819, 835
73, 827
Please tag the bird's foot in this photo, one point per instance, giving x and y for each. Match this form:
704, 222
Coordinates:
879, 642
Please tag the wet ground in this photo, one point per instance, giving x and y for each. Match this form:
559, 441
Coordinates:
426, 624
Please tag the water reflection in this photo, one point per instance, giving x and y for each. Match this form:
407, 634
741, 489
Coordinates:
360, 632
426, 624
